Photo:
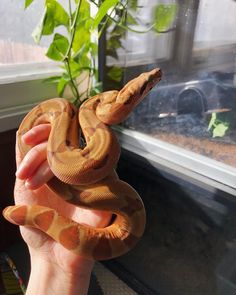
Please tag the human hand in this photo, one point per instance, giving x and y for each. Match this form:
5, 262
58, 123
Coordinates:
32, 173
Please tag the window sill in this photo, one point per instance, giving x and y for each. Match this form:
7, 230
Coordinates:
10, 118
14, 73
18, 97
192, 167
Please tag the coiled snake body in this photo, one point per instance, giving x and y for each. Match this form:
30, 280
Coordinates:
85, 176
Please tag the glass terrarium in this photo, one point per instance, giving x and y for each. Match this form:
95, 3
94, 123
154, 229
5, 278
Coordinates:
193, 108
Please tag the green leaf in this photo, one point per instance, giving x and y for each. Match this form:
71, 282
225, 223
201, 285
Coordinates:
93, 48
102, 11
220, 130
54, 15
37, 32
212, 121
114, 43
118, 32
62, 85
27, 3
96, 89
82, 35
57, 12
84, 61
82, 51
115, 73
58, 48
75, 68
112, 53
130, 20
133, 4
78, 68
84, 9
164, 15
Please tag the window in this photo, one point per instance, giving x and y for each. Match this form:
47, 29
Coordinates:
23, 64
18, 51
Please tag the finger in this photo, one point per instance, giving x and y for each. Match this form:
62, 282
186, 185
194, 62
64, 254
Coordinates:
32, 160
37, 134
42, 175
95, 218
100, 218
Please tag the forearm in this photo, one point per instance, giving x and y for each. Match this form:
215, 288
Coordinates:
49, 279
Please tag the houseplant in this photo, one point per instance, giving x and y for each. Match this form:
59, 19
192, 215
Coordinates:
77, 49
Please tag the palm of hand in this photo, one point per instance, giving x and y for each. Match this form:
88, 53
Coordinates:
38, 242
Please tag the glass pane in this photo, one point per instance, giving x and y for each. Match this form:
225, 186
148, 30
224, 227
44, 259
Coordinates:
140, 44
209, 32
194, 106
16, 26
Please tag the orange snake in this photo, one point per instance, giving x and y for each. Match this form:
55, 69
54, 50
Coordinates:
85, 176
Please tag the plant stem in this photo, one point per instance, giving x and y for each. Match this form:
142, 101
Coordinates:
105, 22
73, 29
74, 88
67, 57
120, 24
70, 11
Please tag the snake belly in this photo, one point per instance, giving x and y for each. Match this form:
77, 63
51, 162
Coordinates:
85, 175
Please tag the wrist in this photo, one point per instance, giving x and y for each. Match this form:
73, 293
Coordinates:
49, 278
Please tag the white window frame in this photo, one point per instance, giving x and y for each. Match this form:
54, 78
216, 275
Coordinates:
21, 88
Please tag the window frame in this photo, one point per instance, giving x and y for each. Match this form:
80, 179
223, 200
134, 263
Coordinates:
22, 88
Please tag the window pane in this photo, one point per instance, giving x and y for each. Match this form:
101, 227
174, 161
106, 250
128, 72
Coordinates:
141, 44
210, 32
16, 26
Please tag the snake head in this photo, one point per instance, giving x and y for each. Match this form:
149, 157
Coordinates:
116, 106
148, 81
135, 90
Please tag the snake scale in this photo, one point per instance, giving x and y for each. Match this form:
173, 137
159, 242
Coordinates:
85, 175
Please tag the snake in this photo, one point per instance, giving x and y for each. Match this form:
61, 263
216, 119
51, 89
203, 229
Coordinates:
83, 152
